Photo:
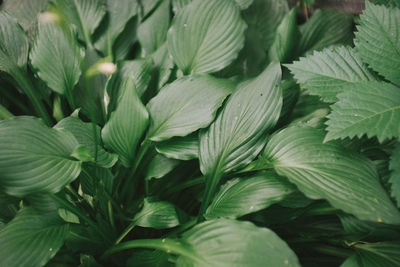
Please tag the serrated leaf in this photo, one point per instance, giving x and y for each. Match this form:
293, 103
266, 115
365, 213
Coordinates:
328, 171
160, 166
181, 148
379, 254
186, 105
152, 32
126, 125
31, 238
325, 73
35, 158
378, 40
157, 214
395, 176
241, 196
83, 132
371, 108
206, 36
236, 243
84, 14
53, 45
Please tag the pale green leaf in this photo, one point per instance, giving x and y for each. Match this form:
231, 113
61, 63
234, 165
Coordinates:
395, 176
35, 158
244, 4
206, 36
241, 196
126, 125
83, 132
378, 40
58, 47
160, 166
328, 171
177, 5
157, 214
148, 6
235, 243
325, 73
68, 216
181, 148
31, 239
186, 105
371, 108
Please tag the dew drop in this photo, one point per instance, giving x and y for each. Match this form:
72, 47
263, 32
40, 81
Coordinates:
251, 207
50, 249
185, 25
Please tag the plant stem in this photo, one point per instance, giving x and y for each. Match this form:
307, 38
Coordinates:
211, 184
126, 232
4, 113
334, 251
191, 182
89, 96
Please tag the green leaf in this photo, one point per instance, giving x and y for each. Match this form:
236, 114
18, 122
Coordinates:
148, 6
241, 196
126, 125
389, 3
378, 40
53, 45
14, 45
146, 258
236, 243
126, 39
83, 132
395, 176
84, 14
31, 238
177, 5
186, 105
68, 216
182, 148
164, 65
328, 171
152, 32
244, 4
325, 73
35, 158
371, 108
238, 134
285, 40
82, 153
206, 36
351, 261
157, 214
379, 254
326, 28
160, 166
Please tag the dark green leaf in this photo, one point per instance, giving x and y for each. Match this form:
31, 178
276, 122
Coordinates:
379, 254
160, 166
182, 148
146, 258
395, 176
164, 64
389, 3
157, 214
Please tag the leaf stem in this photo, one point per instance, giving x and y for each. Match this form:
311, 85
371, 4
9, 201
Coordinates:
211, 184
125, 232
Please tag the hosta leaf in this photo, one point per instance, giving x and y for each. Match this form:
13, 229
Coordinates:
238, 134
243, 4
160, 166
186, 105
328, 171
182, 148
148, 6
126, 39
35, 158
13, 45
177, 5
84, 14
282, 48
379, 254
206, 36
325, 73
53, 45
234, 243
153, 31
395, 176
371, 108
146, 258
164, 64
378, 40
126, 125
325, 28
32, 238
83, 132
241, 196
351, 261
93, 177
157, 214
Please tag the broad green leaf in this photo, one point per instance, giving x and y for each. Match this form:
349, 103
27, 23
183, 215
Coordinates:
92, 178
244, 4
14, 45
241, 196
35, 158
290, 95
68, 216
186, 105
182, 148
328, 171
32, 238
53, 45
83, 132
152, 32
157, 214
378, 40
379, 254
84, 14
126, 39
351, 261
325, 28
395, 176
206, 36
371, 108
235, 243
126, 125
160, 166
164, 65
238, 134
325, 73
389, 3
148, 6
285, 39
147, 258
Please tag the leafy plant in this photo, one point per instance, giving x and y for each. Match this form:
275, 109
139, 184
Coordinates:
198, 133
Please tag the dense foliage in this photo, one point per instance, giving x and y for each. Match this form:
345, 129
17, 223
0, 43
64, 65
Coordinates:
198, 133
